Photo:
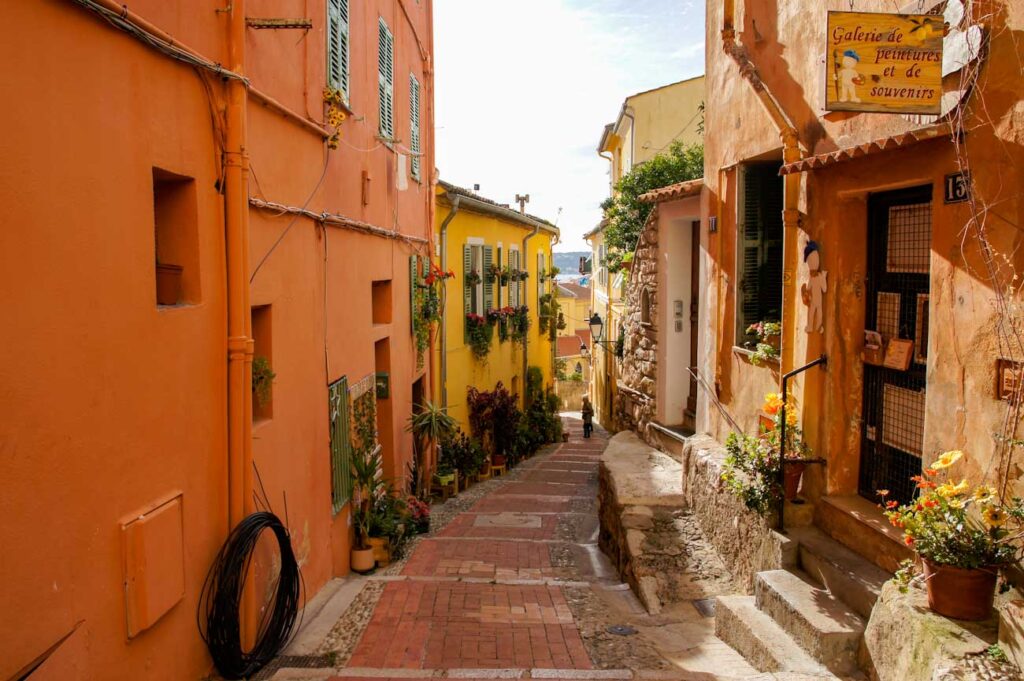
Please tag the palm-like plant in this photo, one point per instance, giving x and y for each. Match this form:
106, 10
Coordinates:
429, 425
365, 464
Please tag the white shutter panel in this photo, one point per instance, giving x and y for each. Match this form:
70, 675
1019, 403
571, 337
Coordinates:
414, 124
386, 80
338, 47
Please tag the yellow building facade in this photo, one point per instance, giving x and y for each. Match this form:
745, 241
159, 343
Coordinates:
647, 124
488, 246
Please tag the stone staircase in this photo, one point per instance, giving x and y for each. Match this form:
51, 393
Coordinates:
808, 618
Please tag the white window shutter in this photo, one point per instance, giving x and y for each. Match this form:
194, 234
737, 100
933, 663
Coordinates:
386, 79
338, 47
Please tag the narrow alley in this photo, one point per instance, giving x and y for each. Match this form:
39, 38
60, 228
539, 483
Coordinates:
510, 584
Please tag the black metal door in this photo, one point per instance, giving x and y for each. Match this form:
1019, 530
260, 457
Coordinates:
899, 252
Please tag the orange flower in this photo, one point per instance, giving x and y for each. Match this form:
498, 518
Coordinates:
930, 503
882, 492
926, 484
772, 403
930, 471
908, 540
891, 504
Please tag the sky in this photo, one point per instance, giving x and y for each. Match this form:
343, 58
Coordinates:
525, 88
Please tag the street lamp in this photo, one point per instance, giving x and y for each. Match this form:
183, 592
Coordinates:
596, 327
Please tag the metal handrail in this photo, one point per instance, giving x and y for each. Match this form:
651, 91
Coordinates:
823, 360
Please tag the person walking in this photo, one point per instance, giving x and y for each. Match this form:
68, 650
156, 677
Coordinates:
588, 418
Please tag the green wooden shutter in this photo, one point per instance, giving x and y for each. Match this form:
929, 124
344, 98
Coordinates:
488, 260
747, 306
467, 290
341, 443
413, 279
759, 293
501, 293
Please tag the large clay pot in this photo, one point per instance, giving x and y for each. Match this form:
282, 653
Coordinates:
960, 593
793, 471
362, 560
381, 553
168, 284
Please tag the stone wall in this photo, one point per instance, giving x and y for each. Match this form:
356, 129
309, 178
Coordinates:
638, 383
571, 393
743, 539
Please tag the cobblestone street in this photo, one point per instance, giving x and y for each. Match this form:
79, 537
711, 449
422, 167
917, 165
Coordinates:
511, 584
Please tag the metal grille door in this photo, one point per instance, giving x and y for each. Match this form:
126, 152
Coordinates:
899, 251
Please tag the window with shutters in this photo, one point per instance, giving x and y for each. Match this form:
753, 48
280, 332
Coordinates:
414, 124
602, 268
540, 278
338, 47
473, 293
500, 297
386, 79
513, 284
759, 248
341, 443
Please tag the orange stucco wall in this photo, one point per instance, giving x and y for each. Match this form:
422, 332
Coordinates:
962, 411
112, 404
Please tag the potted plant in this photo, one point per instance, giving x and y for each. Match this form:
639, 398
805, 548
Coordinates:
478, 334
505, 275
751, 465
963, 535
365, 464
429, 425
473, 278
168, 283
420, 514
262, 380
766, 344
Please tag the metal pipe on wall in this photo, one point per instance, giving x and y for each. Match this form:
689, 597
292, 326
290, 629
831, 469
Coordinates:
455, 200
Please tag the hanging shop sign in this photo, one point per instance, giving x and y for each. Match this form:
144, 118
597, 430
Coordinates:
884, 63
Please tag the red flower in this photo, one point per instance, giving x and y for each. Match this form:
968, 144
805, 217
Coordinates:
930, 503
891, 504
908, 540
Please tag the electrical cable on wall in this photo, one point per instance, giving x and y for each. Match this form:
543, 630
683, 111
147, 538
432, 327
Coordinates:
220, 602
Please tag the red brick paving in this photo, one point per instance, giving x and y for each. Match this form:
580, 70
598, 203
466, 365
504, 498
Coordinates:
431, 625
464, 526
567, 477
496, 503
497, 559
546, 489
436, 621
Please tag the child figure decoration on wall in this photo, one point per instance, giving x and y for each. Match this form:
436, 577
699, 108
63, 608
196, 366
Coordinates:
849, 77
814, 289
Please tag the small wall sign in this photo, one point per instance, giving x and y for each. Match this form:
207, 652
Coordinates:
898, 353
1008, 376
382, 381
957, 187
885, 63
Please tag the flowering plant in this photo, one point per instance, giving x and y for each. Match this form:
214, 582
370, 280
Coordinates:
764, 347
519, 320
419, 509
436, 274
494, 273
473, 278
956, 523
751, 469
478, 334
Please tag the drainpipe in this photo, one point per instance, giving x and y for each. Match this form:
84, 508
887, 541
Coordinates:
526, 341
455, 200
239, 343
632, 135
791, 152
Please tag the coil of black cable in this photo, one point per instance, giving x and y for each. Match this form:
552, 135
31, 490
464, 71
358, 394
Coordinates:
219, 605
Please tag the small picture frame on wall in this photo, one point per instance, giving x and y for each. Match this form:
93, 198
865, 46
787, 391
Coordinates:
874, 348
898, 354
1008, 377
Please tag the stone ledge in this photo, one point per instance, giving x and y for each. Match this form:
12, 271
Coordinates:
905, 641
742, 538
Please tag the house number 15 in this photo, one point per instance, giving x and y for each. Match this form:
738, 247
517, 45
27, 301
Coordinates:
958, 187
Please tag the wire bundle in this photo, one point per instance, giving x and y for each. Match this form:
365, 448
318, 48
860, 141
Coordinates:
222, 595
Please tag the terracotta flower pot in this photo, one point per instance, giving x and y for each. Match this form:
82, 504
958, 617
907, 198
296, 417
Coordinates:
499, 460
168, 284
362, 560
381, 554
793, 471
960, 593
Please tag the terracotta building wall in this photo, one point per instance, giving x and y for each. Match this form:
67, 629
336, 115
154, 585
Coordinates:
961, 411
115, 406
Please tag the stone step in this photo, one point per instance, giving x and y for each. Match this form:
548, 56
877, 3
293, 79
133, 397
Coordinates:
848, 576
825, 627
860, 525
760, 640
